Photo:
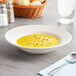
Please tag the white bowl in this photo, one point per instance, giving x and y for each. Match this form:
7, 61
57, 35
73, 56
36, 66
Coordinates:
12, 35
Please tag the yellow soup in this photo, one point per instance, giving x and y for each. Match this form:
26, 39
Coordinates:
38, 40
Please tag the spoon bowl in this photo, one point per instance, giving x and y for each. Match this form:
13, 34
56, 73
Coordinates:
71, 58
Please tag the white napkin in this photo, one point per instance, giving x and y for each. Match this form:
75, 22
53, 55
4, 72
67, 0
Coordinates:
45, 71
69, 70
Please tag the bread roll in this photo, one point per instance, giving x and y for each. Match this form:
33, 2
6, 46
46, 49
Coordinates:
8, 0
38, 0
22, 2
36, 3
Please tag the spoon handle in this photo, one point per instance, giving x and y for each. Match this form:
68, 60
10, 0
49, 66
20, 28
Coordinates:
56, 69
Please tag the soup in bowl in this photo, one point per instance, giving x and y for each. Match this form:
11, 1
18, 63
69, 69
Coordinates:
38, 39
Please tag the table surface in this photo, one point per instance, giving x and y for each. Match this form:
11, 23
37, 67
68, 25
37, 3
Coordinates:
14, 62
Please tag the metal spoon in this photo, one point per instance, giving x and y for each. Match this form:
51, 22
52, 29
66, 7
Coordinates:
71, 58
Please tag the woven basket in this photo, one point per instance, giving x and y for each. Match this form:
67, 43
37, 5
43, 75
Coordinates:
29, 11
2, 2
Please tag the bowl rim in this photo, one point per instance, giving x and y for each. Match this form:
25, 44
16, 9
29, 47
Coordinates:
17, 45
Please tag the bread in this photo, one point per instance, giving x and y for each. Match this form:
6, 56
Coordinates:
22, 2
8, 0
37, 0
36, 3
